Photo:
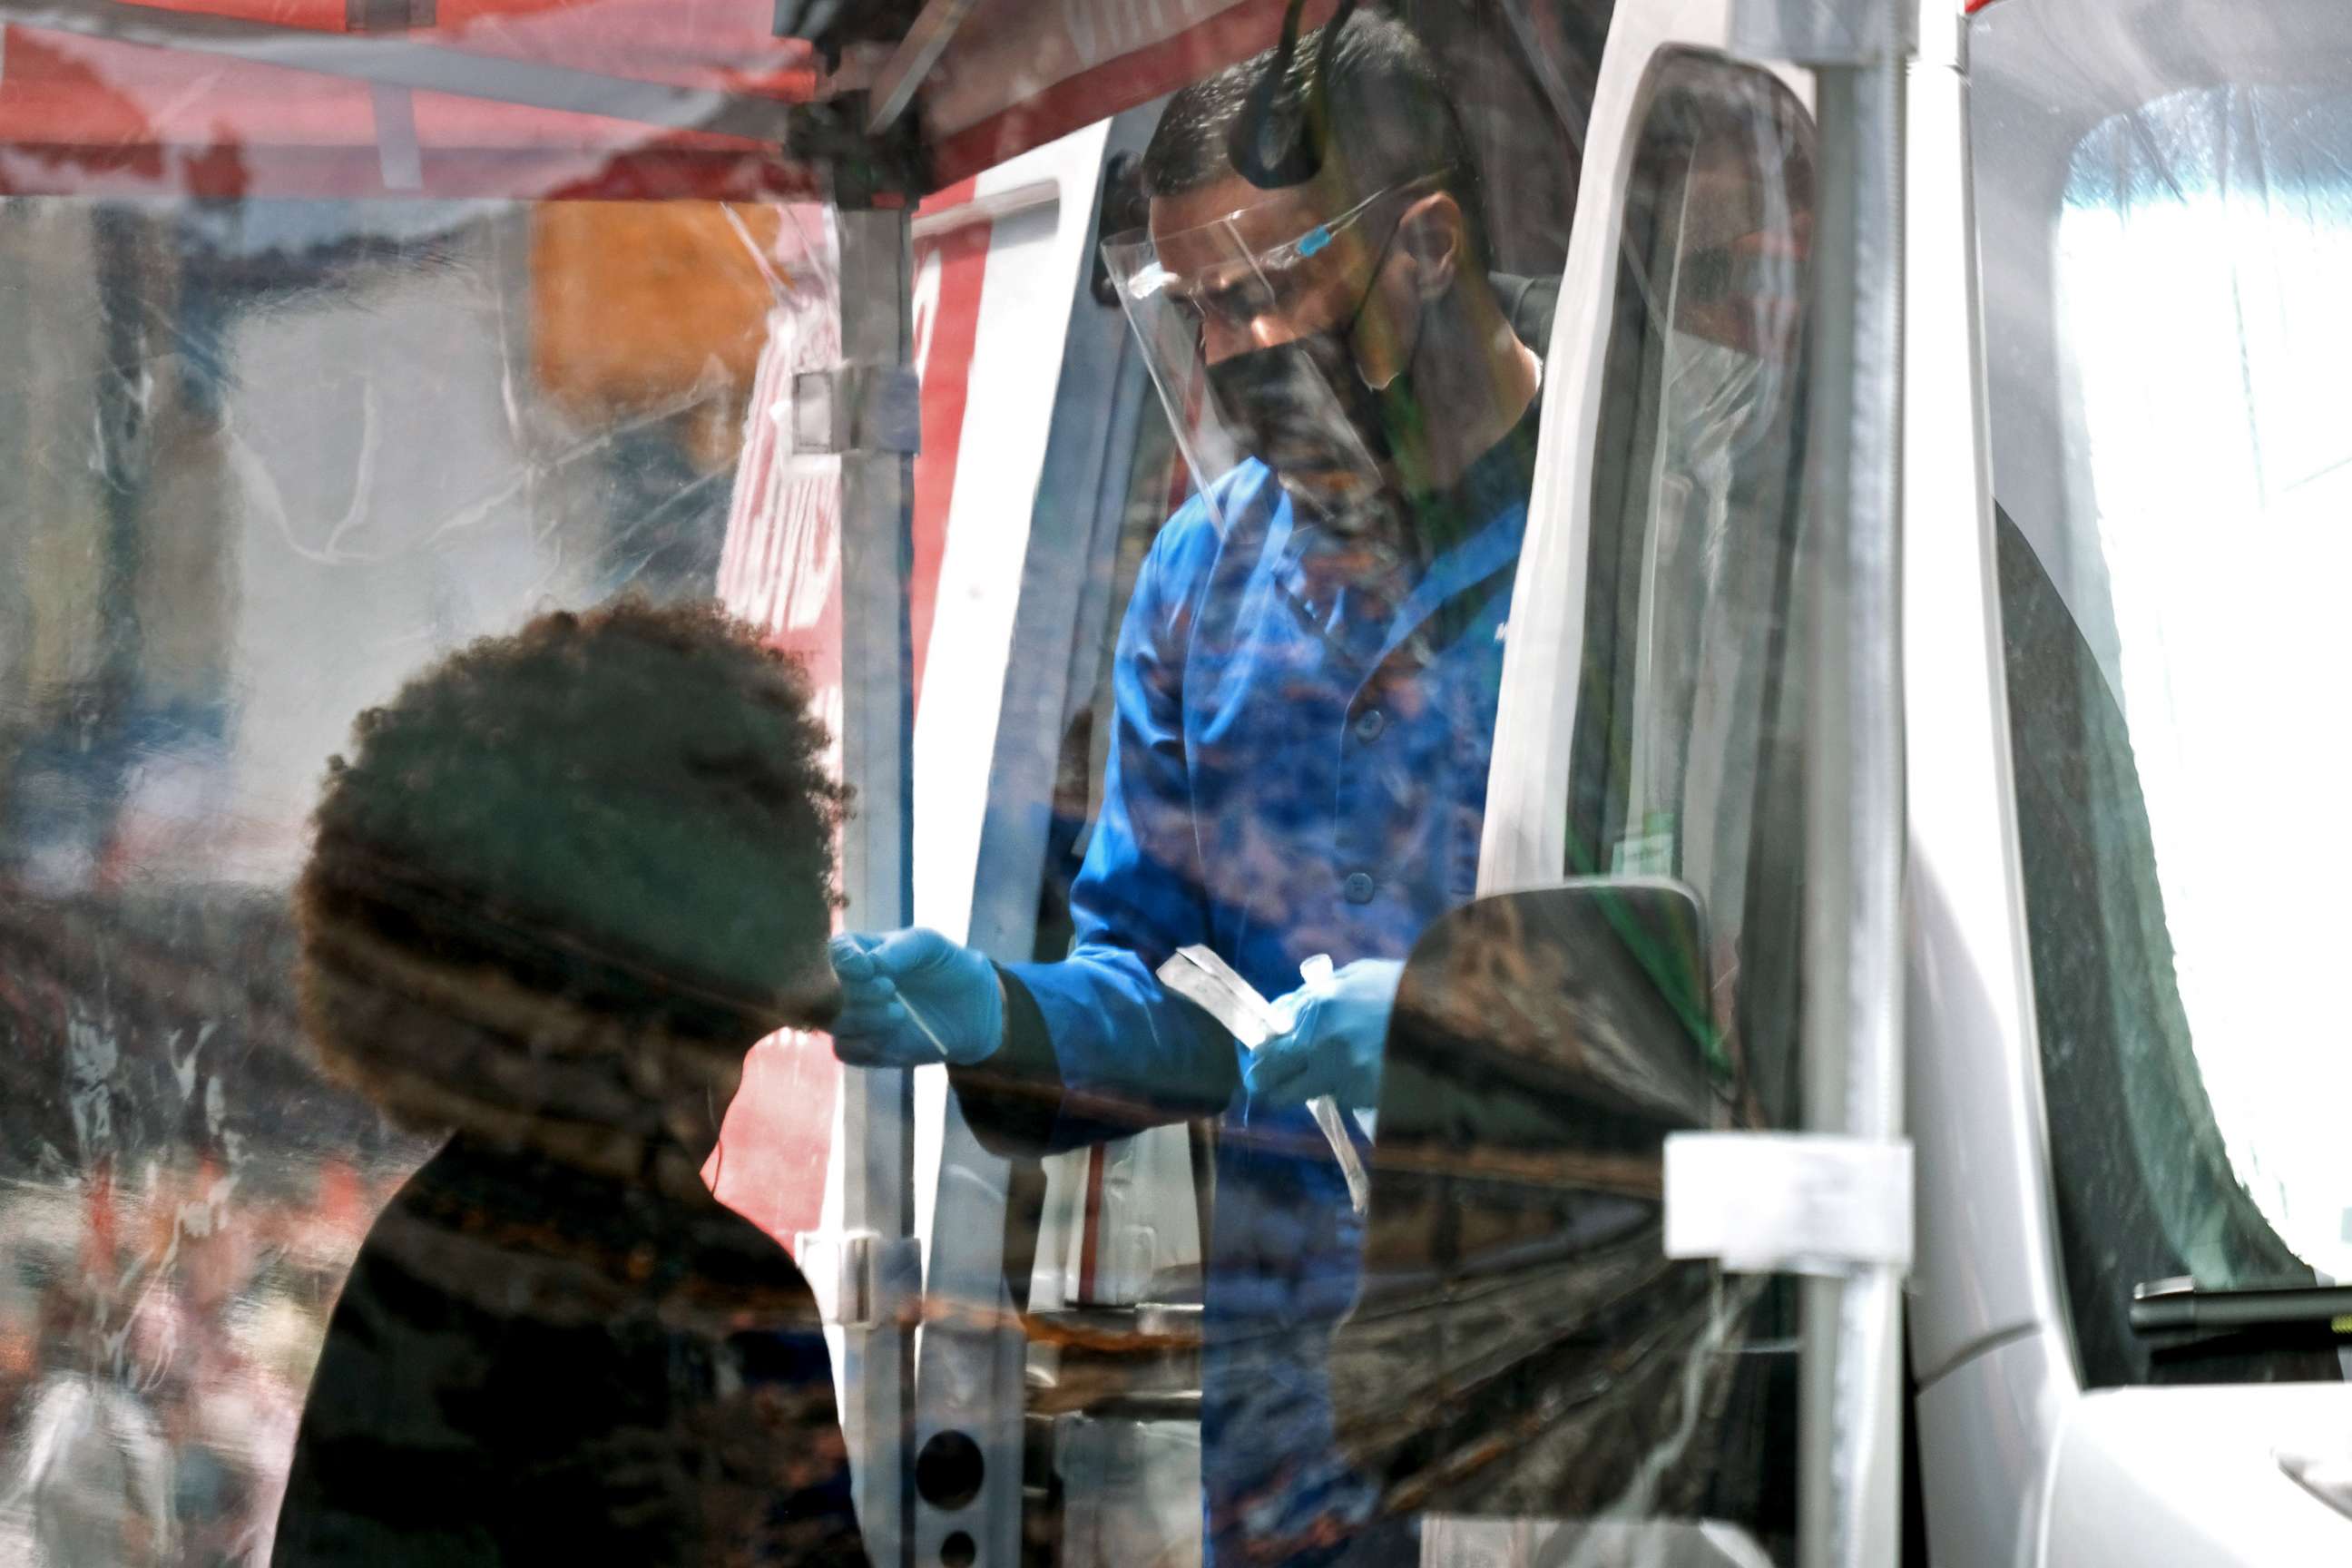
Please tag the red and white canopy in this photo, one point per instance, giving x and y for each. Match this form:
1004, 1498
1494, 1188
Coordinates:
554, 98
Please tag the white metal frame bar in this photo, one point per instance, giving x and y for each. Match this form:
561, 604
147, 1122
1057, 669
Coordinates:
877, 872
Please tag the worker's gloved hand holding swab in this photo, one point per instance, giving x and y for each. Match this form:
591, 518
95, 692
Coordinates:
1312, 1042
913, 998
1337, 1025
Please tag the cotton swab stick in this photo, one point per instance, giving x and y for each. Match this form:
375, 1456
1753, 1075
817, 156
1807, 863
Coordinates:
915, 1016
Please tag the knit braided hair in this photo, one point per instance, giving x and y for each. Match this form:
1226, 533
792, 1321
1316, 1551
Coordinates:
570, 876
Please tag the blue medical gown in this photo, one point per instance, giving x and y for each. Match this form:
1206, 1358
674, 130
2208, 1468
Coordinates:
1298, 766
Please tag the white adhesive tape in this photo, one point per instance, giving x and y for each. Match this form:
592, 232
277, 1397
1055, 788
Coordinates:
1799, 1202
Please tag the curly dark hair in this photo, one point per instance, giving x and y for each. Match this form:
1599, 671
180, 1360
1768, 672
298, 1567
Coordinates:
561, 866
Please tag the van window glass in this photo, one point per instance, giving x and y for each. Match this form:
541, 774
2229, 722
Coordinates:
260, 465
1685, 751
2163, 248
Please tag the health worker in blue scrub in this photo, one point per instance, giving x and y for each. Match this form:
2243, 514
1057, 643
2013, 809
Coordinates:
1305, 689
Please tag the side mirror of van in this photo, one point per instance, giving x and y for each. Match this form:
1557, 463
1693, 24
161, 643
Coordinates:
1547, 1040
1522, 1345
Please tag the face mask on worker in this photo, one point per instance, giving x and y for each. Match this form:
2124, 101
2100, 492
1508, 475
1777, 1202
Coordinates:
1304, 406
1304, 409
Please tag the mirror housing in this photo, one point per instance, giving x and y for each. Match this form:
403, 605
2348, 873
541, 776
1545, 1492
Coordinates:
1522, 1345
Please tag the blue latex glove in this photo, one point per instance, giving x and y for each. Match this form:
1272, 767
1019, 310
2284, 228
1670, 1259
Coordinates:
1334, 1043
912, 998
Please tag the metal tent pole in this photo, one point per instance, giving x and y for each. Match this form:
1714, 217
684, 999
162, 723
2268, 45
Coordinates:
1851, 1408
1851, 1411
876, 862
1850, 1420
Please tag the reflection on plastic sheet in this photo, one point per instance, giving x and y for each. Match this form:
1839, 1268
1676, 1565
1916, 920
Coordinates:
780, 571
1135, 1491
261, 464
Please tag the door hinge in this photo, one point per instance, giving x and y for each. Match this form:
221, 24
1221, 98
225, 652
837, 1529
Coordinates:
1804, 1202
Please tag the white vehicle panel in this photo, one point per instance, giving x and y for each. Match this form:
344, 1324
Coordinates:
2191, 1477
1986, 1263
1985, 1440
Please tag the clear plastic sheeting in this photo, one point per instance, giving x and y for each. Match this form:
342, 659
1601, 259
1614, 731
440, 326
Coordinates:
1135, 1487
1523, 1347
320, 99
265, 463
781, 572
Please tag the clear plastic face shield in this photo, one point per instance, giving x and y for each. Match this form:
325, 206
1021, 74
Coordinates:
1255, 329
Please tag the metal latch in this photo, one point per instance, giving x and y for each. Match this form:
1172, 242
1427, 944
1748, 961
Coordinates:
1806, 1203
857, 408
854, 1274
